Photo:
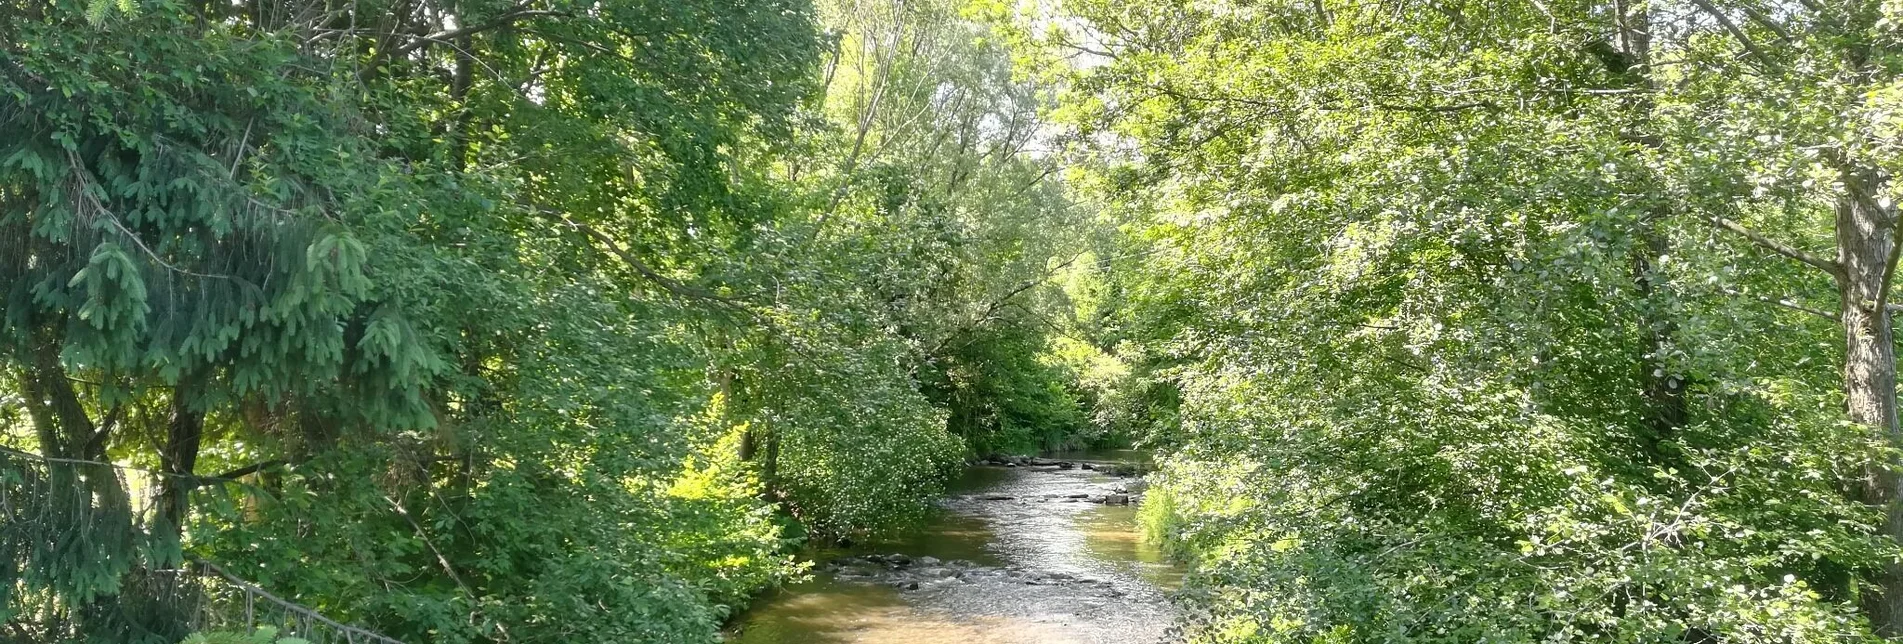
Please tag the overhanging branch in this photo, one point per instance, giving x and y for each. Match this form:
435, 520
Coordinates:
507, 18
1778, 247
635, 263
1736, 32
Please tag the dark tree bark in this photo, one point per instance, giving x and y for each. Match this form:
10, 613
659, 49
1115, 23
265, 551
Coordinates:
1663, 390
1865, 247
179, 460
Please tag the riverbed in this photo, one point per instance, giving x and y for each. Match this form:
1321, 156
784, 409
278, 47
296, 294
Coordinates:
1017, 555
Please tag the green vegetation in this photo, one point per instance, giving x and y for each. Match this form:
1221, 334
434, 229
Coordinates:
491, 321
566, 321
264, 635
1507, 321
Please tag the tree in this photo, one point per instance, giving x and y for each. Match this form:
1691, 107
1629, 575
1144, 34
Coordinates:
1394, 240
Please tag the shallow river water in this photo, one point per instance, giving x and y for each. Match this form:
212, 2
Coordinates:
1018, 555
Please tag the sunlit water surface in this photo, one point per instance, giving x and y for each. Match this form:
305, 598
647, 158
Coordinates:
1043, 567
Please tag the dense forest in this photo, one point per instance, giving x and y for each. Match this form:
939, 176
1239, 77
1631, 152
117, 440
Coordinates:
590, 321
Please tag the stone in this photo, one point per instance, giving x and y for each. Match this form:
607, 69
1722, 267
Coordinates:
929, 561
1117, 499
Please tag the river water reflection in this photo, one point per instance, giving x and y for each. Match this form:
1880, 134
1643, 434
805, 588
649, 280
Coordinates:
1026, 557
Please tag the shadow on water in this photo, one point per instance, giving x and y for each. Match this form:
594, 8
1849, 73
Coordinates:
1111, 535
948, 535
820, 611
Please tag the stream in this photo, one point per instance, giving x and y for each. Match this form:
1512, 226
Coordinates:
1034, 553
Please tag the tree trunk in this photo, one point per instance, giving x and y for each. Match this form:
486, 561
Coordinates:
1865, 236
179, 459
88, 511
1663, 391
459, 99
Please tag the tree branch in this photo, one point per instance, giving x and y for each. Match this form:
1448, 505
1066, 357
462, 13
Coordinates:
242, 471
1784, 303
999, 303
1736, 32
1778, 247
503, 20
635, 263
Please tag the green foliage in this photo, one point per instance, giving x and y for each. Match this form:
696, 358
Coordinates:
528, 322
264, 635
1429, 306
1005, 397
